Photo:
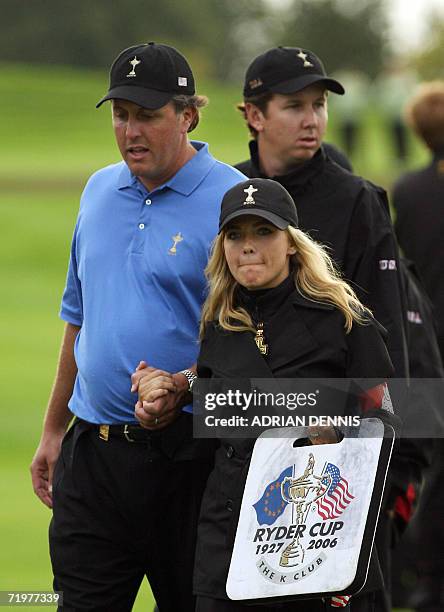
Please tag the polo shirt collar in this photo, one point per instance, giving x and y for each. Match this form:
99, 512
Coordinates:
126, 178
186, 180
194, 171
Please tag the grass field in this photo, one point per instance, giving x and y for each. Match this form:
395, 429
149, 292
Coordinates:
52, 138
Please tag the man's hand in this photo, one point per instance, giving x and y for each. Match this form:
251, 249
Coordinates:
57, 418
42, 466
322, 435
161, 396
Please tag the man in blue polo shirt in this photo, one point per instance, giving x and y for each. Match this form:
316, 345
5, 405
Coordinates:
125, 498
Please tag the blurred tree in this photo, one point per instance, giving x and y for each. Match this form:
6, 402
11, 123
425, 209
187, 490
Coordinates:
346, 35
89, 33
429, 60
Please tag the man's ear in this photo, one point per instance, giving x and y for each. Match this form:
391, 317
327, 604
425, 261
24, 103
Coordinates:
255, 117
189, 119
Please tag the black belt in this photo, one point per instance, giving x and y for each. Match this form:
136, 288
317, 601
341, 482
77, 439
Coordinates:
174, 441
128, 432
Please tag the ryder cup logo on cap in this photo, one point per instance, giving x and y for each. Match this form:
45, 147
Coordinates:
149, 75
260, 197
249, 191
134, 62
286, 70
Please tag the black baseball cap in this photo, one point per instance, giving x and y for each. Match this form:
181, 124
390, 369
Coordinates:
149, 75
286, 70
262, 198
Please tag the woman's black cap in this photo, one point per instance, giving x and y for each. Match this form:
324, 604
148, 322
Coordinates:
262, 198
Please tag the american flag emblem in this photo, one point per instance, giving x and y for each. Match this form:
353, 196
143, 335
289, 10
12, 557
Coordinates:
337, 498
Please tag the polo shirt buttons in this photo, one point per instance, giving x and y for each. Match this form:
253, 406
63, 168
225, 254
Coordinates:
141, 225
229, 505
230, 452
148, 202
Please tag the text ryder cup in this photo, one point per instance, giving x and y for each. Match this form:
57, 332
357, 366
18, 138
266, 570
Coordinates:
272, 534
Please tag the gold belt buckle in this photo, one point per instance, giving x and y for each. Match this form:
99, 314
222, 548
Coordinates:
104, 432
126, 434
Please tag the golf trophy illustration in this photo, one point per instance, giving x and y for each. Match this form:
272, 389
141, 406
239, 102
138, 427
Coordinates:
177, 238
302, 492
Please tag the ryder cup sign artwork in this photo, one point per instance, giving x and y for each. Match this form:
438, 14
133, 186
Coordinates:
303, 515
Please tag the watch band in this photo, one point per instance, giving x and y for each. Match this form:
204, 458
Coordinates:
191, 377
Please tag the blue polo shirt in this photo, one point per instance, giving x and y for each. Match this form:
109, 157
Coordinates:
135, 281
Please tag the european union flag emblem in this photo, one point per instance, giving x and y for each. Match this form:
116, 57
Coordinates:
271, 505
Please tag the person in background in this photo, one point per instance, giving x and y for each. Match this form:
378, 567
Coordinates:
418, 198
285, 107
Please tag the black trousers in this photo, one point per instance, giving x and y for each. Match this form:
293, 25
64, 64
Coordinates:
122, 511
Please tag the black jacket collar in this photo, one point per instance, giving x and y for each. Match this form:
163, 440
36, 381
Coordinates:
299, 179
245, 359
267, 302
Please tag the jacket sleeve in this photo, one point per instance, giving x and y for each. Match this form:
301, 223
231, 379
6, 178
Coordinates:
367, 352
369, 368
372, 266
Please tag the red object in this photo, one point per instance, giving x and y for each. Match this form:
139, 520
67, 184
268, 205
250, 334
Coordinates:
404, 504
372, 398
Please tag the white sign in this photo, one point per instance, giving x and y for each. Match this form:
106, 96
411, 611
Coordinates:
303, 514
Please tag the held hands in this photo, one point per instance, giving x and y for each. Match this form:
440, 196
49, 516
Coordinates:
161, 395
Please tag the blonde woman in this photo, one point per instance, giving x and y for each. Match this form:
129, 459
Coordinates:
276, 308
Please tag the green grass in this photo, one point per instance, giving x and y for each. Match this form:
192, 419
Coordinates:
52, 139
53, 131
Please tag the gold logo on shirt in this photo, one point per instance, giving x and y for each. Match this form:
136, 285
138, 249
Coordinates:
176, 239
260, 340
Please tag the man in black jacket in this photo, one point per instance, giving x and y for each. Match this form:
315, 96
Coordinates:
285, 107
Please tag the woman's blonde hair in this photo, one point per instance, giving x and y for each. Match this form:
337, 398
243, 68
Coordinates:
315, 275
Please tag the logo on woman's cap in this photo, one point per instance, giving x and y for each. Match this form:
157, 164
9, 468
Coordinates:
249, 199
